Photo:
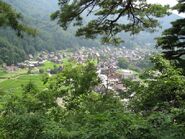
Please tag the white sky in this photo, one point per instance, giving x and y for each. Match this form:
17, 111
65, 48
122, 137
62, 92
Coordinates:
167, 2
164, 2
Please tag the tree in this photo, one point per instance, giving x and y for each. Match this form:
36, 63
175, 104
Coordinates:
30, 87
9, 17
108, 17
172, 40
75, 80
10, 54
123, 63
159, 98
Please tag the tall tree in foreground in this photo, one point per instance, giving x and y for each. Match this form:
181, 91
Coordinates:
173, 39
109, 17
160, 98
9, 17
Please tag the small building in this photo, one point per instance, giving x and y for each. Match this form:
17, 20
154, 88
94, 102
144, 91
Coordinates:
127, 74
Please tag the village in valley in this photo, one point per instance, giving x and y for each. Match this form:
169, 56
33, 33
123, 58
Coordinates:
109, 72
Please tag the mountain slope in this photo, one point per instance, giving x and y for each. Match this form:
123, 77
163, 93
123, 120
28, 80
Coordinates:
51, 37
147, 39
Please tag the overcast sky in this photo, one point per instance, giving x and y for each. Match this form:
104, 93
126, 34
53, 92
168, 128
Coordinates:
169, 2
166, 2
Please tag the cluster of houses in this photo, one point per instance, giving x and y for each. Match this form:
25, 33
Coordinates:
11, 68
55, 57
107, 69
110, 54
32, 62
113, 78
107, 57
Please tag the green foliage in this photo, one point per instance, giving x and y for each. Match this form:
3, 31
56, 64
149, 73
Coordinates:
172, 40
30, 87
80, 78
13, 83
81, 113
123, 63
138, 66
9, 17
10, 54
70, 109
49, 65
2, 72
160, 99
41, 71
144, 63
164, 86
107, 20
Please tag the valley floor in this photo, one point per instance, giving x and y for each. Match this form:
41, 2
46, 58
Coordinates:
13, 81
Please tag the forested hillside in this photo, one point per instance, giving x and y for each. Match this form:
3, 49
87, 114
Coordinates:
36, 13
51, 37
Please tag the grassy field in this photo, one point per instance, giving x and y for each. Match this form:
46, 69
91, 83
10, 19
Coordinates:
15, 85
2, 73
13, 81
48, 65
9, 75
